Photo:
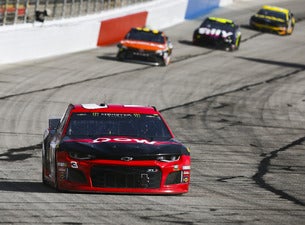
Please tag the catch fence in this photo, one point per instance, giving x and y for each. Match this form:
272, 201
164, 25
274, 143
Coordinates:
28, 11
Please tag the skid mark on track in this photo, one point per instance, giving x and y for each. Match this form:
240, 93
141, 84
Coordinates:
243, 88
73, 83
272, 62
225, 179
251, 37
263, 169
176, 218
265, 163
19, 154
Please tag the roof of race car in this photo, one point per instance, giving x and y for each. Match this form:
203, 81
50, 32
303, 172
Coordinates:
147, 30
275, 8
114, 108
145, 34
221, 20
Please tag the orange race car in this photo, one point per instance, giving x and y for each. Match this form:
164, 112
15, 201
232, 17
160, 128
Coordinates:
145, 45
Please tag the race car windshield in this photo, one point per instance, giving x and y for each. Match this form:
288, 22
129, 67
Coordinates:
145, 36
94, 125
217, 25
272, 14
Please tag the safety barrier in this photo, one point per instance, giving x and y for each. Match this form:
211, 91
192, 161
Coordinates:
36, 40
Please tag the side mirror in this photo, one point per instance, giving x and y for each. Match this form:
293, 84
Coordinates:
53, 123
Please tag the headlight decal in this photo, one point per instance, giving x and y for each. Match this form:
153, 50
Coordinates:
81, 155
186, 167
168, 158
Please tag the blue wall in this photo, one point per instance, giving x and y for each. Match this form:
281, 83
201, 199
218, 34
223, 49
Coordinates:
196, 8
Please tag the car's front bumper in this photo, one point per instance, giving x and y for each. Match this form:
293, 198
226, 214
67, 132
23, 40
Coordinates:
281, 30
152, 57
216, 42
117, 176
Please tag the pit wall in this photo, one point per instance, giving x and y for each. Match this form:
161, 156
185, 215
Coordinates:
37, 40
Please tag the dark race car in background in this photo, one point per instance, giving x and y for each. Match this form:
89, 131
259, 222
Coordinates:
273, 19
114, 149
145, 45
218, 33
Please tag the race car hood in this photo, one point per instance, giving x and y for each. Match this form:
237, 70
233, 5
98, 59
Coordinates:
214, 32
117, 147
143, 45
271, 18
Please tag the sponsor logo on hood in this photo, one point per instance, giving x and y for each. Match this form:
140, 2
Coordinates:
214, 32
123, 140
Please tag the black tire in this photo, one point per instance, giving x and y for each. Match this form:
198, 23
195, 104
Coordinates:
237, 43
292, 28
55, 179
44, 181
235, 46
163, 62
121, 55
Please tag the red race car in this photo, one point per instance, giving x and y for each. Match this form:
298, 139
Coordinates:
114, 149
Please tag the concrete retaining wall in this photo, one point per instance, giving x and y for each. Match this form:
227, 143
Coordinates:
39, 40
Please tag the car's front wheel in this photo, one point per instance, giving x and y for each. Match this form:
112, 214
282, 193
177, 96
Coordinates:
44, 181
290, 29
235, 46
164, 60
121, 55
237, 43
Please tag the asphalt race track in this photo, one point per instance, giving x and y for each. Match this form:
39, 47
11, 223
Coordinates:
242, 114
